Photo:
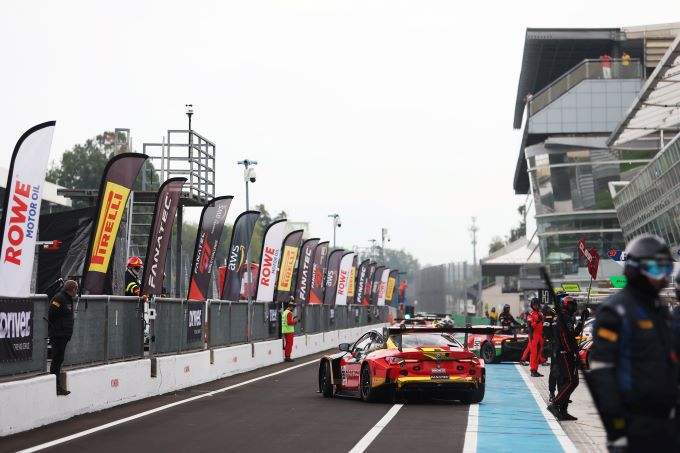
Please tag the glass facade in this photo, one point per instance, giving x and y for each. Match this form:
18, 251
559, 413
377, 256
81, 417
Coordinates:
570, 185
651, 202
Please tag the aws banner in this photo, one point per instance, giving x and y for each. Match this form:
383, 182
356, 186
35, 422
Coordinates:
362, 273
391, 284
291, 248
119, 176
382, 286
344, 278
272, 244
207, 239
304, 273
318, 273
332, 276
238, 252
16, 330
23, 197
164, 212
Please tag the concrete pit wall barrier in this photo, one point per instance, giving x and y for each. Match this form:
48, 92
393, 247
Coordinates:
30, 403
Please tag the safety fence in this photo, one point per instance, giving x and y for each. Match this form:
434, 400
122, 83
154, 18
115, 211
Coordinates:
109, 328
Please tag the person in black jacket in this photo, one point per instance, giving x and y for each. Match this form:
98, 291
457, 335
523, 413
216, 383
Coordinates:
60, 327
505, 319
634, 369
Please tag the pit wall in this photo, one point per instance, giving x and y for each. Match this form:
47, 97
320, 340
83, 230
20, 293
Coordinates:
30, 403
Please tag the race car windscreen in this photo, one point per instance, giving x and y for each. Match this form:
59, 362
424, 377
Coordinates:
417, 340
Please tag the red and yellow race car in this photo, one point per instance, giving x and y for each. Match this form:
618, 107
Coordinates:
402, 361
498, 344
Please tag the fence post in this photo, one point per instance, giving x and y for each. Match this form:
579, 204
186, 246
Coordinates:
229, 326
106, 330
183, 314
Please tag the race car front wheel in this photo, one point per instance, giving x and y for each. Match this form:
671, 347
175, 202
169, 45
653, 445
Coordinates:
488, 353
325, 386
365, 389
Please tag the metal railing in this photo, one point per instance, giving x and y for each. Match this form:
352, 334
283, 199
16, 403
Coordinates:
585, 70
109, 328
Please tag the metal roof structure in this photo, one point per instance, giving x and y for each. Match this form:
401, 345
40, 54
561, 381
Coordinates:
657, 107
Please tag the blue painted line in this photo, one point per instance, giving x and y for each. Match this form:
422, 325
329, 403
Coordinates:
509, 418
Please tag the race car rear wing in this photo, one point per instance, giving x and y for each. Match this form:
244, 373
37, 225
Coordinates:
403, 329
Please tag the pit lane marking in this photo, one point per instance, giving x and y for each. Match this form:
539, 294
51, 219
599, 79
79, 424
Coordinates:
564, 440
470, 443
370, 436
158, 409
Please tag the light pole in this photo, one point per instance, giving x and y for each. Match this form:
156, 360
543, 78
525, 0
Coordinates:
337, 223
473, 229
248, 176
373, 241
385, 235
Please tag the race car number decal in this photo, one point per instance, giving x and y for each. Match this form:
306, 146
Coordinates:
347, 372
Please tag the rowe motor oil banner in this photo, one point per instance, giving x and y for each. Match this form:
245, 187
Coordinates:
238, 254
291, 248
382, 286
332, 276
119, 176
207, 239
164, 212
344, 278
23, 197
318, 273
304, 273
272, 245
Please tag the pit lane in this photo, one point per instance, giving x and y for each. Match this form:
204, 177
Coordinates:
283, 413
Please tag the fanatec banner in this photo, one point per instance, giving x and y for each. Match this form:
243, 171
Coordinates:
207, 240
382, 286
164, 212
23, 197
362, 273
332, 276
16, 330
391, 284
368, 286
318, 273
119, 176
272, 244
352, 279
304, 273
238, 253
344, 278
291, 248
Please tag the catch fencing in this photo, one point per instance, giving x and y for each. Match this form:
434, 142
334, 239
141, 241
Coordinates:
110, 328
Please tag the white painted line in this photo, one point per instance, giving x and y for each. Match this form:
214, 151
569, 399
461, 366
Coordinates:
564, 440
158, 409
470, 445
370, 436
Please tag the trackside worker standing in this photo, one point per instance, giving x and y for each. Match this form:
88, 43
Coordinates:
535, 320
134, 267
634, 366
288, 322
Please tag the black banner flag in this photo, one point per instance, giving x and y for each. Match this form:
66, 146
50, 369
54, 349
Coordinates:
16, 329
304, 275
207, 239
164, 212
238, 252
318, 273
368, 287
117, 181
332, 276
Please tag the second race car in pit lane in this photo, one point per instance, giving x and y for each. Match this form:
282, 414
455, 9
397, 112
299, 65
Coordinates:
499, 344
401, 361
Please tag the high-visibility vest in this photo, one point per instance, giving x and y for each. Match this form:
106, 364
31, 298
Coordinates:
285, 328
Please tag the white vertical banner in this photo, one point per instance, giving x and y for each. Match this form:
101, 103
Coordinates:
344, 275
382, 286
21, 208
272, 244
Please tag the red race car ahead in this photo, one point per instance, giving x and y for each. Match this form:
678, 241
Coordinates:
402, 361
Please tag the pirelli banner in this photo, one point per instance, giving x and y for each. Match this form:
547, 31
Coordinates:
351, 288
117, 181
391, 285
207, 239
21, 204
318, 273
164, 212
344, 278
304, 272
16, 330
238, 254
291, 248
332, 276
268, 272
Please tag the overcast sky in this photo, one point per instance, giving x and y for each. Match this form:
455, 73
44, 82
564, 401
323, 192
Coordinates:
393, 114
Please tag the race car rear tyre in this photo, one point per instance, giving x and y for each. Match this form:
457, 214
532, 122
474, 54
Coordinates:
488, 353
366, 391
476, 396
325, 386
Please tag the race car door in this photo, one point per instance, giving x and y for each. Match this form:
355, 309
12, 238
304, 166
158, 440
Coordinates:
351, 365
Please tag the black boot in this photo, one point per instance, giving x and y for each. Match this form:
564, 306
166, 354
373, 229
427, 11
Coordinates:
555, 411
62, 391
566, 415
535, 373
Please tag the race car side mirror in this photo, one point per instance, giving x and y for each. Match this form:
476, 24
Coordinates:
344, 347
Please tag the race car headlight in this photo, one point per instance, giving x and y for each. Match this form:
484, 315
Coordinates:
393, 360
